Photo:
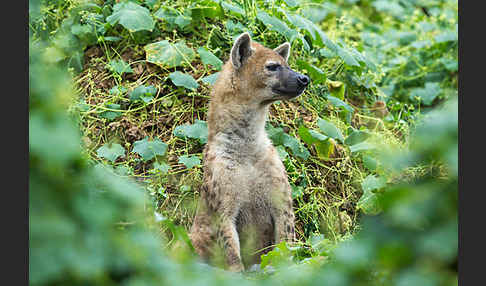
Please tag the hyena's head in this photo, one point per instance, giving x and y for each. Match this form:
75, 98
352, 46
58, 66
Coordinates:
265, 72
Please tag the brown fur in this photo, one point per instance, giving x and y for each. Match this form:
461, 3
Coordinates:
246, 203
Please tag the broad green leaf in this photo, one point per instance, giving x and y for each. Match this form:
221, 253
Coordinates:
426, 94
450, 64
209, 58
167, 14
363, 146
149, 149
233, 8
110, 151
279, 137
325, 148
117, 90
189, 161
210, 10
297, 148
281, 152
346, 110
173, 18
301, 23
168, 55
357, 136
131, 16
183, 79
297, 191
371, 183
162, 167
276, 134
390, 7
315, 73
347, 57
183, 21
291, 3
315, 13
330, 129
337, 88
111, 115
119, 66
370, 163
144, 93
210, 79
276, 25
198, 130
310, 136
369, 202
449, 36
280, 255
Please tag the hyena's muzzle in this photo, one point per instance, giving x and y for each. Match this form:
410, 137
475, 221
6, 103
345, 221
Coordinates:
291, 84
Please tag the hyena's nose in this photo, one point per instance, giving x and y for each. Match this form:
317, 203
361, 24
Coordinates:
303, 80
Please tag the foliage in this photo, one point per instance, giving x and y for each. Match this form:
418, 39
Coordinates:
370, 149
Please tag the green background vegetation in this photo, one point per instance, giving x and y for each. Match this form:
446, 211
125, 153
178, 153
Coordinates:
117, 110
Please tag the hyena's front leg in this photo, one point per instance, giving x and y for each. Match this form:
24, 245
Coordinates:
229, 239
283, 217
201, 234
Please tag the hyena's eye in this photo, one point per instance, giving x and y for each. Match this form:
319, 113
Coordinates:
272, 66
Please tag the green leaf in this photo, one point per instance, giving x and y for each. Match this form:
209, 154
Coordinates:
210, 79
330, 129
370, 163
110, 151
371, 183
315, 73
280, 255
183, 79
346, 110
363, 146
131, 16
117, 90
168, 55
111, 115
297, 191
198, 130
295, 146
337, 89
279, 137
301, 23
369, 202
144, 93
119, 66
149, 149
347, 57
426, 94
281, 152
325, 148
189, 161
449, 36
162, 167
357, 136
233, 8
291, 3
276, 25
310, 136
209, 58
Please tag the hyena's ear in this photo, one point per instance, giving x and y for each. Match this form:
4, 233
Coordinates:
241, 50
283, 50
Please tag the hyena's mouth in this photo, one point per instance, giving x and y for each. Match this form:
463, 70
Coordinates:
288, 94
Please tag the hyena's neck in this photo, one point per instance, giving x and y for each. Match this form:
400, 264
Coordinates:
235, 128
